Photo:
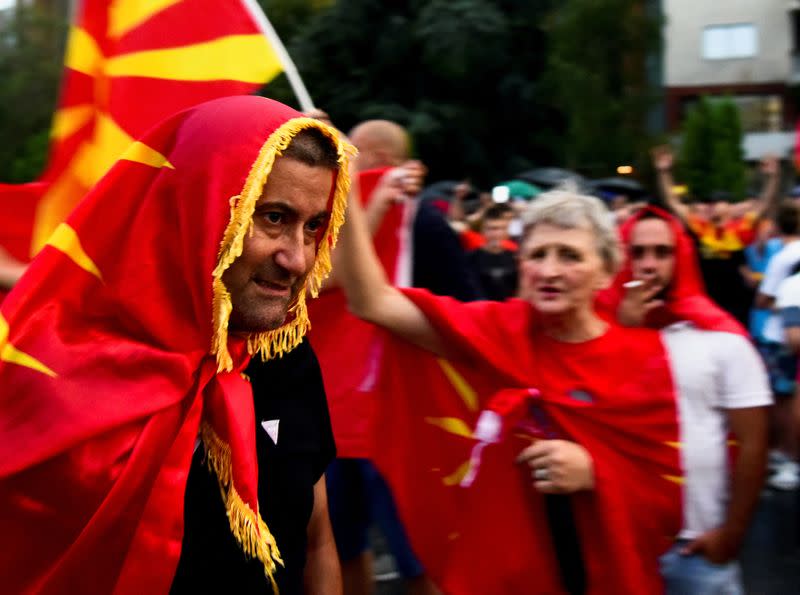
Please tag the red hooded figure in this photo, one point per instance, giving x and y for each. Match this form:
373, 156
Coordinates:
686, 299
115, 356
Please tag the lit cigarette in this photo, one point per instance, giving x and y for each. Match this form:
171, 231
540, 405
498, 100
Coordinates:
632, 284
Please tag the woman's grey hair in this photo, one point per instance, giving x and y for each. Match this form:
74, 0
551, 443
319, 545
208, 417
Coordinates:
566, 207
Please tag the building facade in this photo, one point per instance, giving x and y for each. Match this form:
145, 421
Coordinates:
743, 49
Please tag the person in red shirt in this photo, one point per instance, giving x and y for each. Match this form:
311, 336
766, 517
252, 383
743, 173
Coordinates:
594, 398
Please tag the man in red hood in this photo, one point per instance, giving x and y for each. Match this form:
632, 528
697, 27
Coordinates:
721, 386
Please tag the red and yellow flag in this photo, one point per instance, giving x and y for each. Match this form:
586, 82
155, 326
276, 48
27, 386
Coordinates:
131, 63
493, 536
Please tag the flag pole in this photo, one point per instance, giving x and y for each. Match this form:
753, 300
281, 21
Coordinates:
289, 68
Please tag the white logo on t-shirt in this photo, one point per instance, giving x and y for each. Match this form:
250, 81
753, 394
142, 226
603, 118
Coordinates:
271, 428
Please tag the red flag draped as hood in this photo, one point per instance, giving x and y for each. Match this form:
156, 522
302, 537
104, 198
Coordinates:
686, 299
114, 356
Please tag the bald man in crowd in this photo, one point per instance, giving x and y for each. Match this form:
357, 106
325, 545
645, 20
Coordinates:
417, 247
380, 143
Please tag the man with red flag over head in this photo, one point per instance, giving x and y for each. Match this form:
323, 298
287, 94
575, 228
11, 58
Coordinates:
135, 458
721, 387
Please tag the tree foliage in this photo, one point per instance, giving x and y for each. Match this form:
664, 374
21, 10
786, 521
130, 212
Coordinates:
31, 54
597, 74
711, 155
461, 75
487, 88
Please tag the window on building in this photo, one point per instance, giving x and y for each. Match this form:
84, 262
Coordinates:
723, 42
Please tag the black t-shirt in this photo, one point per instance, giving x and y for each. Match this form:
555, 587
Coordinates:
439, 263
289, 390
725, 285
497, 273
723, 279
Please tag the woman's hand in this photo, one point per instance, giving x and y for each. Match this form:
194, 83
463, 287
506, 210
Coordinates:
559, 466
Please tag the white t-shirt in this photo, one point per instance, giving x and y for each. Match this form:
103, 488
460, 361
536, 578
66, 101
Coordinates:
713, 371
778, 269
788, 296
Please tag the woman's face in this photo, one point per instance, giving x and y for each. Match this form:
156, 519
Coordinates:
561, 269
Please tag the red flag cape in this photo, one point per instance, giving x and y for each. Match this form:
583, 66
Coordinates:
686, 298
17, 208
114, 355
613, 395
350, 373
128, 65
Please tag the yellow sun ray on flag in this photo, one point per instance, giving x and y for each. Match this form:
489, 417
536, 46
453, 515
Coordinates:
126, 15
95, 158
83, 53
68, 120
12, 355
66, 240
132, 63
461, 386
141, 153
452, 425
674, 479
455, 478
227, 58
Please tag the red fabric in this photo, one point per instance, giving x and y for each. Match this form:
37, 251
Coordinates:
686, 299
17, 207
96, 452
472, 240
493, 536
349, 372
81, 155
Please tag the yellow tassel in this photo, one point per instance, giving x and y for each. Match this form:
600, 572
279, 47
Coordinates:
275, 343
247, 526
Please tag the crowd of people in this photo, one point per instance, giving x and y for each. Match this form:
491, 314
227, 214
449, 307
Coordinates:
180, 416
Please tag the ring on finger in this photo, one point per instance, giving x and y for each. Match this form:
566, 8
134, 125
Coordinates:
541, 474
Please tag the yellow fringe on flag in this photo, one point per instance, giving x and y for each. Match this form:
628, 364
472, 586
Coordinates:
247, 526
275, 343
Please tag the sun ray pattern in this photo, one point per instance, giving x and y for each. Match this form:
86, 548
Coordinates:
69, 120
221, 59
461, 386
12, 355
459, 427
451, 424
123, 16
674, 479
128, 65
67, 241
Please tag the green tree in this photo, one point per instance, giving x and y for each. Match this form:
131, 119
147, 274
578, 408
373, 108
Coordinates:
711, 153
31, 58
697, 148
461, 75
727, 160
597, 74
